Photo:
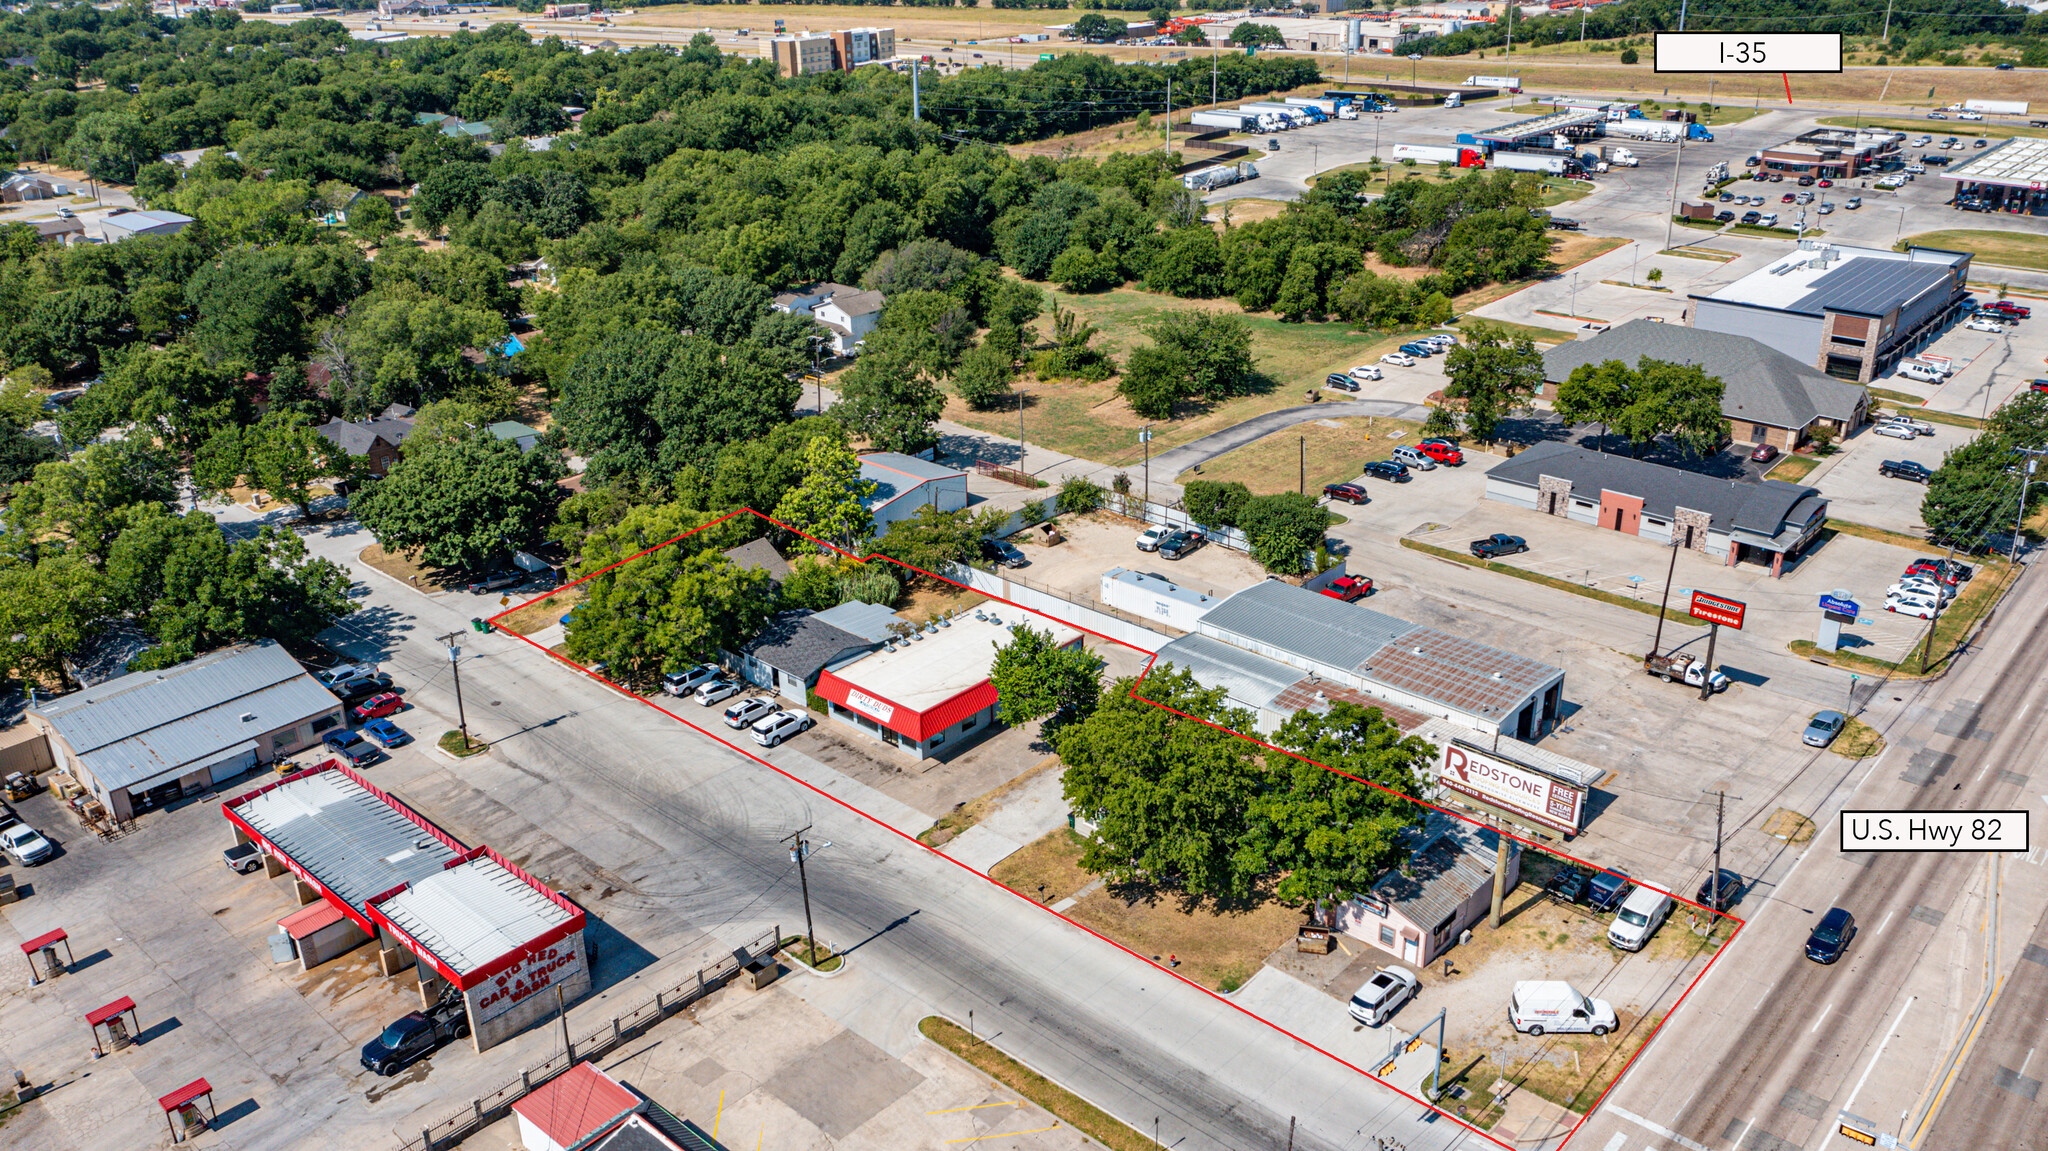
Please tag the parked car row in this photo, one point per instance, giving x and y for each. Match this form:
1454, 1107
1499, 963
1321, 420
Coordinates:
370, 701
1926, 586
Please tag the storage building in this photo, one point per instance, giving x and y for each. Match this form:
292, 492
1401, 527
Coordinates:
1415, 912
905, 483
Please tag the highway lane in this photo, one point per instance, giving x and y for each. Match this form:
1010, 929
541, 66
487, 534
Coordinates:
933, 936
1996, 1100
1770, 1047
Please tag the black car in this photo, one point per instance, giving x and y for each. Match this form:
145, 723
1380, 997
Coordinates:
416, 1036
1567, 886
1387, 470
1905, 470
1181, 543
1566, 225
1607, 890
498, 581
1349, 493
1003, 553
1341, 382
356, 691
1724, 216
1727, 197
1730, 891
1751, 217
1497, 545
1831, 936
1806, 181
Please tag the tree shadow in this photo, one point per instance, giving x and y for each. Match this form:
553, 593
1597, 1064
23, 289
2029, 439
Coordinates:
377, 628
1152, 893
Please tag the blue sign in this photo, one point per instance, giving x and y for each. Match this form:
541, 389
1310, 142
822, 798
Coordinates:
1840, 606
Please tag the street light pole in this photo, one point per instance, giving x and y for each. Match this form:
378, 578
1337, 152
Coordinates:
455, 666
801, 848
1670, 217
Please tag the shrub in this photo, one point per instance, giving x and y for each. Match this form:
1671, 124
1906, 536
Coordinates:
1216, 504
1079, 494
1629, 56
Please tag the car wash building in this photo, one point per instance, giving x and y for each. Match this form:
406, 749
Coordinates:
929, 692
363, 867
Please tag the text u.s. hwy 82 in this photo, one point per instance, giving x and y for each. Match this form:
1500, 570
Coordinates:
1934, 830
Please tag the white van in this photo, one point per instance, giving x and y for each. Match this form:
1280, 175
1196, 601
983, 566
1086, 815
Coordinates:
1925, 373
1539, 1006
1640, 916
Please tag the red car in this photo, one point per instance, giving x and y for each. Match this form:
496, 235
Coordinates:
1349, 493
379, 706
1824, 184
2016, 311
1934, 572
1763, 454
1348, 588
1442, 451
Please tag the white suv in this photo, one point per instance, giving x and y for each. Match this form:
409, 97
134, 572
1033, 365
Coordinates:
1382, 995
1365, 372
781, 726
680, 683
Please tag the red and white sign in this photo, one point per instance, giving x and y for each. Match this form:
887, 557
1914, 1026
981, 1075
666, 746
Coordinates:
533, 974
881, 709
1518, 790
1718, 609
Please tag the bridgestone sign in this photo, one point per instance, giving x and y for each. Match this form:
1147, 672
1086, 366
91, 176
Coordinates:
1521, 791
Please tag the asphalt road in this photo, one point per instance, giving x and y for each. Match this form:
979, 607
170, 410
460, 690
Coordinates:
693, 829
1999, 1090
1769, 1050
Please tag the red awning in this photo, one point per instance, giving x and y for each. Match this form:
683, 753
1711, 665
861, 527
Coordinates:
43, 940
110, 1010
185, 1094
313, 917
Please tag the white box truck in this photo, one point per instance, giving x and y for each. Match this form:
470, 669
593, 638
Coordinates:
1325, 104
1234, 121
1511, 83
1553, 1006
1529, 162
1662, 131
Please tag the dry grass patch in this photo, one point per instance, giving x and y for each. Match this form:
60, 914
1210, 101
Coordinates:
529, 618
1857, 740
1568, 1070
407, 568
1789, 826
1793, 469
1053, 861
1249, 210
1219, 949
930, 600
1332, 449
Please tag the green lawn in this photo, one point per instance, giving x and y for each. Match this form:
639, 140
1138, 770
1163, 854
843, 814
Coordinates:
1938, 128
2011, 249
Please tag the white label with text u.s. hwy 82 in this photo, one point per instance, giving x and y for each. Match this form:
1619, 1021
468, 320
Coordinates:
1934, 830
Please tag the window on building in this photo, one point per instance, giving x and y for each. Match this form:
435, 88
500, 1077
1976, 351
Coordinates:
1852, 341
1386, 935
970, 723
938, 739
1582, 503
325, 722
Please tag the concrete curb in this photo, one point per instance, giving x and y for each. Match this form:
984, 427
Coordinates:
845, 961
434, 748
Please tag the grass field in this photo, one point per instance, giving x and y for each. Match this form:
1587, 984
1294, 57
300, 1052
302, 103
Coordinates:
1919, 128
1327, 451
1793, 469
2010, 249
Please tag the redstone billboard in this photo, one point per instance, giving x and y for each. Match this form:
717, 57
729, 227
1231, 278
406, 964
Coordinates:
1520, 791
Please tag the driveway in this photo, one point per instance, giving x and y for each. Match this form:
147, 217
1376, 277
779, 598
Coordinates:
1858, 494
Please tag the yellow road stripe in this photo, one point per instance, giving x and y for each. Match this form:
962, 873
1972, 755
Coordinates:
977, 1107
1004, 1135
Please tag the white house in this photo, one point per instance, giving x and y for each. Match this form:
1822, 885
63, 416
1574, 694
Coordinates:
848, 313
905, 483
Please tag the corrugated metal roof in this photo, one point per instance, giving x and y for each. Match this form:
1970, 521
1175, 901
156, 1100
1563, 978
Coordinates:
1456, 860
577, 1104
1252, 680
474, 913
142, 725
870, 621
352, 840
1317, 628
1459, 673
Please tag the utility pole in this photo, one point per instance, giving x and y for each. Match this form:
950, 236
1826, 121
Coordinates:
2019, 518
1657, 642
1212, 67
1677, 157
1020, 430
1707, 675
1500, 868
455, 666
562, 1017
1145, 437
1169, 119
1887, 21
1301, 485
801, 848
1681, 15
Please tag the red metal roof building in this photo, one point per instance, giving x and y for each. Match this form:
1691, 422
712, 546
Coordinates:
572, 1108
929, 693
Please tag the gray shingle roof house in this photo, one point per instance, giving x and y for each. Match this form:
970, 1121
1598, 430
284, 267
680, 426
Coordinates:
1769, 397
145, 738
1415, 913
760, 554
789, 653
1765, 521
380, 440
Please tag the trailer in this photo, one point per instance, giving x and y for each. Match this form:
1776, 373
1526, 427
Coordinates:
1220, 176
1529, 162
1511, 83
1992, 107
1438, 154
1294, 113
1323, 104
1656, 130
1235, 121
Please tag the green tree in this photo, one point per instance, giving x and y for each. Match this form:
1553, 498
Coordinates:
983, 378
830, 501
1440, 424
1154, 377
372, 220
1257, 36
931, 540
1217, 347
1035, 678
1080, 495
47, 611
885, 399
1082, 270
679, 604
1215, 503
1628, 56
194, 593
458, 500
1170, 796
1494, 374
1284, 528
1326, 834
82, 504
281, 455
1971, 494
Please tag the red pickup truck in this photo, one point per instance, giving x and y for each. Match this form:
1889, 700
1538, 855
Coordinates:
1348, 588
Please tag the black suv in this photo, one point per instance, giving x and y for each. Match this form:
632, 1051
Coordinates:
1730, 891
1003, 553
1905, 470
356, 691
1831, 936
1497, 545
1387, 470
416, 1036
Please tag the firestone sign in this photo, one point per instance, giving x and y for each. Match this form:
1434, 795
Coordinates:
1518, 790
528, 977
1718, 609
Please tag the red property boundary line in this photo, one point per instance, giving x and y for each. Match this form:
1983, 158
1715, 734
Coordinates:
718, 738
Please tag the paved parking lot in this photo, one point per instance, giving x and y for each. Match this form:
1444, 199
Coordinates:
1857, 493
1096, 544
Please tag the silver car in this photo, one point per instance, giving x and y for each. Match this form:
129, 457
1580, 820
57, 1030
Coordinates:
716, 691
747, 712
680, 683
781, 726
